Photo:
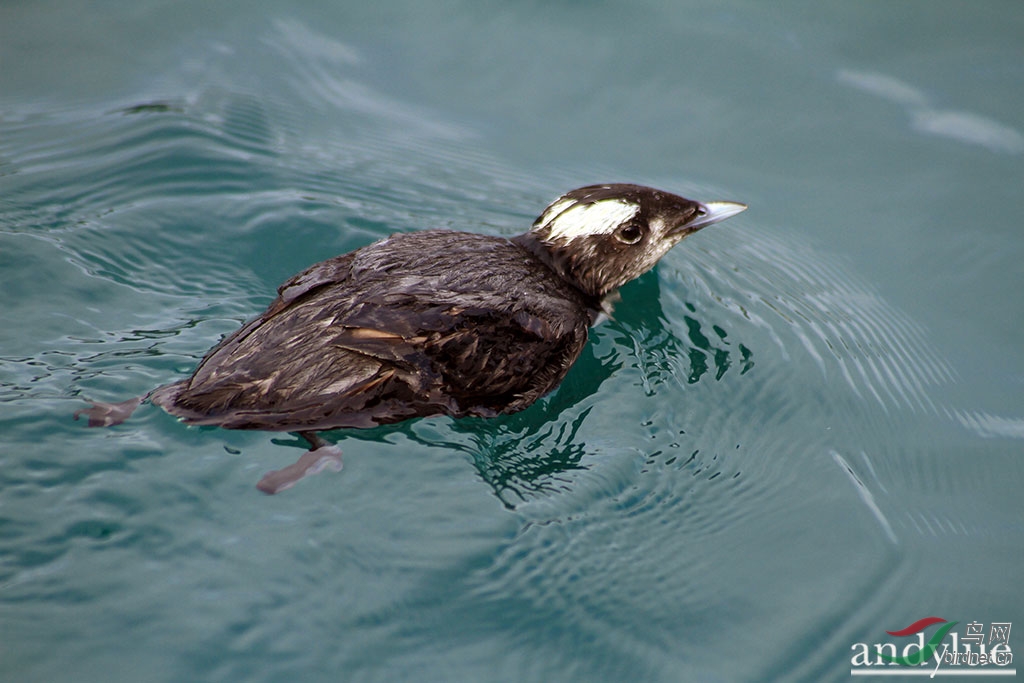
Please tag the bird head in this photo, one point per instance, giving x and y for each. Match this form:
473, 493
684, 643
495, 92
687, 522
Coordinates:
602, 236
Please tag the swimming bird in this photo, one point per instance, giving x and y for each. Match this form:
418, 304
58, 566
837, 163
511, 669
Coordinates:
427, 323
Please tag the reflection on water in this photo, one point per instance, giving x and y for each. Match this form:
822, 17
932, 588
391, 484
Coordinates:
965, 126
640, 322
865, 495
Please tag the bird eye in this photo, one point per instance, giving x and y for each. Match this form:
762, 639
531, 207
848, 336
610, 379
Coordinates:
629, 234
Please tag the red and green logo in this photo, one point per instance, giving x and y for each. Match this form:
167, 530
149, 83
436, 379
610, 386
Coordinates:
926, 652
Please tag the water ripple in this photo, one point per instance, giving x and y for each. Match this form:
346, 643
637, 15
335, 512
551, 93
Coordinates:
847, 330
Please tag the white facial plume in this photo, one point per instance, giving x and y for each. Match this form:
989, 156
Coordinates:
567, 219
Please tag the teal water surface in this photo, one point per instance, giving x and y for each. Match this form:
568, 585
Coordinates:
802, 430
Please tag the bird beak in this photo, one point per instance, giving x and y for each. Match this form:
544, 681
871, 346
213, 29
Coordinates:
714, 212
707, 214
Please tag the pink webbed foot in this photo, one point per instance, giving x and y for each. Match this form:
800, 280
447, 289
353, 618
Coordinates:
108, 414
323, 456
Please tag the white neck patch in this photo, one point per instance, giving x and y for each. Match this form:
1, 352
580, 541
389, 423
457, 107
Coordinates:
568, 220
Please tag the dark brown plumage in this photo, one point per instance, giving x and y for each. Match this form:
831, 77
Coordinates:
425, 323
430, 323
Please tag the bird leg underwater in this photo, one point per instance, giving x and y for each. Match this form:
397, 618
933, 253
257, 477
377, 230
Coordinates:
102, 414
321, 456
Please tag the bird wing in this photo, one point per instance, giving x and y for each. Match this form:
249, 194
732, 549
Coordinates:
336, 350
